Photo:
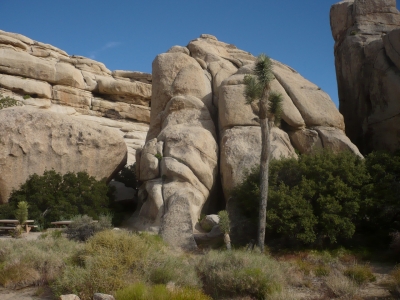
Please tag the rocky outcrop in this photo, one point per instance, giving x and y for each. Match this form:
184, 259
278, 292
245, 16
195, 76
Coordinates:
43, 76
33, 141
201, 127
367, 48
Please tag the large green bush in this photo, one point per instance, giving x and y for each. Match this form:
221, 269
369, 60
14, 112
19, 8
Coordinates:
53, 197
382, 208
316, 198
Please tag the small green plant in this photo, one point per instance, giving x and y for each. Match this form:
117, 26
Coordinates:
21, 214
353, 32
159, 156
26, 97
8, 102
360, 274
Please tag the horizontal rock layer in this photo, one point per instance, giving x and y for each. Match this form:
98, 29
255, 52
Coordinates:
43, 76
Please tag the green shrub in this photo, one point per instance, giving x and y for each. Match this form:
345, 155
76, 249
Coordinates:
360, 274
236, 273
313, 199
128, 176
26, 97
8, 102
53, 197
140, 291
224, 223
84, 227
382, 207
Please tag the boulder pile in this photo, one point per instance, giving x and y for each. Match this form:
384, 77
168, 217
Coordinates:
367, 59
201, 130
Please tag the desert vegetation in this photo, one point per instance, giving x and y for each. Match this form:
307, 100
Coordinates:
327, 199
53, 197
326, 215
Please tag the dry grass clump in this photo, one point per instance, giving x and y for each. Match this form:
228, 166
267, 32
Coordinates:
360, 274
24, 263
241, 273
140, 291
341, 286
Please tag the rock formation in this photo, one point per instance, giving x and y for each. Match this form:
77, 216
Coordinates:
32, 141
45, 77
367, 59
200, 127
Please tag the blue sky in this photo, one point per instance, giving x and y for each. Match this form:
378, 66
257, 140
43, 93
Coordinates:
128, 34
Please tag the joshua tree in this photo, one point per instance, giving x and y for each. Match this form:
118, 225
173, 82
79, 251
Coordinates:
21, 214
270, 104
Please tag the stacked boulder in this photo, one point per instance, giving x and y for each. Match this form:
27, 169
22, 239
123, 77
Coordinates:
201, 127
367, 59
45, 77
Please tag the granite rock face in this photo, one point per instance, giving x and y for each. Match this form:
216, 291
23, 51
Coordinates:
42, 76
201, 127
33, 141
367, 47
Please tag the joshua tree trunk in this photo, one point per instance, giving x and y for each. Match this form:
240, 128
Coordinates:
264, 169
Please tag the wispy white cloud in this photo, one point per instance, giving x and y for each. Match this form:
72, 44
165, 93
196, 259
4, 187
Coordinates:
107, 46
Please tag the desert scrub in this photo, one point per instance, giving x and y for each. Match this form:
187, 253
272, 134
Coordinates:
111, 260
241, 273
140, 291
167, 268
360, 274
83, 227
25, 263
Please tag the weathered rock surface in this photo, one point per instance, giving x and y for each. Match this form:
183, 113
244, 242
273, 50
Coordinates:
42, 76
33, 141
198, 104
367, 48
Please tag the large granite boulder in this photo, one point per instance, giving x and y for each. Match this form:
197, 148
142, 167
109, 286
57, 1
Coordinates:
180, 159
200, 122
367, 48
42, 76
33, 141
